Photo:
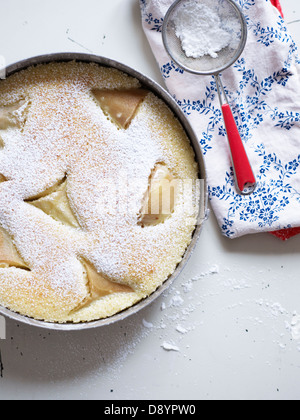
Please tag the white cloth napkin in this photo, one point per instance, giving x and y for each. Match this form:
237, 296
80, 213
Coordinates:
263, 88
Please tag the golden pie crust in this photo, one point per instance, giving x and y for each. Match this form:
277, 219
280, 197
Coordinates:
84, 149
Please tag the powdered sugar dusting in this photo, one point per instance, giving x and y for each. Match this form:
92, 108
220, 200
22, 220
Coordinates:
64, 133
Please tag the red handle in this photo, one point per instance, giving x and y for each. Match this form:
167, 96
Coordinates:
243, 171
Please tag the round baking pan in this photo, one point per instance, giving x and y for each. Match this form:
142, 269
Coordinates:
164, 95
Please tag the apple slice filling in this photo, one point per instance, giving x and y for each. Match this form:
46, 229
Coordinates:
14, 115
55, 203
120, 105
99, 286
9, 256
159, 201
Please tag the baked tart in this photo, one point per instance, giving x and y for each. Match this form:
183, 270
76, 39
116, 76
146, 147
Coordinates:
92, 205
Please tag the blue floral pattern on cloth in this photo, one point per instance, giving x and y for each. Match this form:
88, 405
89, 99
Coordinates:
263, 87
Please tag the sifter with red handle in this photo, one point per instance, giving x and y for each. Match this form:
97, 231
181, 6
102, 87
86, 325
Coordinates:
219, 22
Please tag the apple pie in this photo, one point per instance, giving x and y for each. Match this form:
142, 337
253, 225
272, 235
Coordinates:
92, 203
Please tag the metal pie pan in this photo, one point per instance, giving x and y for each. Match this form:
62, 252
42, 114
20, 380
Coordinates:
167, 98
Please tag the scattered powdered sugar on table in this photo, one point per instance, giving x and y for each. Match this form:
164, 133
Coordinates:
201, 30
178, 319
214, 269
181, 329
147, 324
177, 300
170, 347
294, 327
176, 310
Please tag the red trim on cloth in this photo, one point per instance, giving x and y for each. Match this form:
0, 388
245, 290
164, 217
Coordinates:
285, 233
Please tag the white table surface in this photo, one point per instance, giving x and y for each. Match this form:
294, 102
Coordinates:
238, 342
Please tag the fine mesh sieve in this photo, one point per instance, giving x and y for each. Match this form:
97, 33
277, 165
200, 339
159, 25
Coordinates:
229, 20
